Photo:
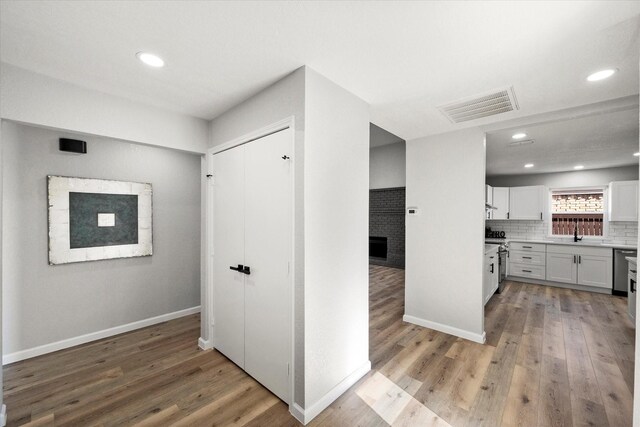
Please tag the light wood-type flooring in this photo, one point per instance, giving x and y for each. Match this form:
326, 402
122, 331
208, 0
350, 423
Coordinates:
553, 357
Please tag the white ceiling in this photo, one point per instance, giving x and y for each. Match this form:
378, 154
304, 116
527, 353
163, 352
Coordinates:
600, 140
404, 58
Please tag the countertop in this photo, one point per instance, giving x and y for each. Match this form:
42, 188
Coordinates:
490, 248
632, 259
566, 242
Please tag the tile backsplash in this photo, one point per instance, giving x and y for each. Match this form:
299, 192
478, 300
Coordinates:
625, 233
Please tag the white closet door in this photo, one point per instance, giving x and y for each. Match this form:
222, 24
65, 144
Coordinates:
268, 248
228, 250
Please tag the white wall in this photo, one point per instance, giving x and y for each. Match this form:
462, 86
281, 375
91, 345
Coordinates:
444, 247
331, 224
44, 304
387, 166
581, 178
28, 97
283, 99
336, 236
2, 413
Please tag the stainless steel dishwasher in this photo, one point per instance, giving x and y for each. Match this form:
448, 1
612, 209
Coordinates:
621, 270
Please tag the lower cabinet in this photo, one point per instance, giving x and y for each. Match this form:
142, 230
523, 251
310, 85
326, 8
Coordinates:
587, 266
491, 278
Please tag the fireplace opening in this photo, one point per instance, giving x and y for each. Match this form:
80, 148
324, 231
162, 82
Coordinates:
378, 247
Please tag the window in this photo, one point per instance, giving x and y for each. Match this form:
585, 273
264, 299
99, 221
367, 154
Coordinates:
583, 209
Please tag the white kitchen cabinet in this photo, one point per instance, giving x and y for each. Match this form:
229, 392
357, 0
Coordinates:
488, 199
500, 202
581, 265
623, 201
595, 271
491, 274
562, 268
527, 203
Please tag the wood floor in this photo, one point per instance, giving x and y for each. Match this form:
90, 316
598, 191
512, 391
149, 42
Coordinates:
553, 357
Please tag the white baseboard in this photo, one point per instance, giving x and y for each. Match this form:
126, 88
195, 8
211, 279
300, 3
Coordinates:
471, 336
204, 344
93, 336
3, 416
306, 415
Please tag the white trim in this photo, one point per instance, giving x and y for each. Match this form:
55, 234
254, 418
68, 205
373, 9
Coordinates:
285, 123
204, 344
306, 415
471, 336
3, 416
93, 336
256, 134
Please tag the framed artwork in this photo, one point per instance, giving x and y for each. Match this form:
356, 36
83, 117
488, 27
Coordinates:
96, 219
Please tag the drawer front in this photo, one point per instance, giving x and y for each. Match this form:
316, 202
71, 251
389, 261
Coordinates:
579, 250
527, 247
524, 270
528, 258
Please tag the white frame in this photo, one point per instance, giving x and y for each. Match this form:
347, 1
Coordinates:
288, 122
605, 214
58, 189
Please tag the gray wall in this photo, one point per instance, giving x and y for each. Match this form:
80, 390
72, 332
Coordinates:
567, 179
44, 304
388, 166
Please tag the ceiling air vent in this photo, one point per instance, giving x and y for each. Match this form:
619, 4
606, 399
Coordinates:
497, 102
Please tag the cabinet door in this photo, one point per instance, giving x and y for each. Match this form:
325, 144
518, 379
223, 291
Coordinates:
228, 251
562, 268
623, 201
501, 202
268, 244
526, 202
490, 270
595, 271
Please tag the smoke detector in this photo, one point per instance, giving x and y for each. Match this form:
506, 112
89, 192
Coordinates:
479, 106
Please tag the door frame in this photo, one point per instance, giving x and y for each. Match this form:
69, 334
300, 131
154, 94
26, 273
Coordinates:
209, 318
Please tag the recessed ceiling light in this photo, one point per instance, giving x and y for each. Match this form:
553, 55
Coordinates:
578, 167
150, 59
601, 75
528, 165
518, 135
637, 154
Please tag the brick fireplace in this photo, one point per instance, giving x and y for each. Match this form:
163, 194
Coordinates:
387, 226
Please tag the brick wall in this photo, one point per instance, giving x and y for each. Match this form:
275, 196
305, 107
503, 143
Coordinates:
387, 219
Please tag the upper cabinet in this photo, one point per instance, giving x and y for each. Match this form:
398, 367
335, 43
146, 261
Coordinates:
500, 202
623, 201
527, 203
488, 199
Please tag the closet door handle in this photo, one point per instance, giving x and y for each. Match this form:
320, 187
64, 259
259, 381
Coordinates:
240, 268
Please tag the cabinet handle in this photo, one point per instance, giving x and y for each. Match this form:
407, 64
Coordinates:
574, 259
526, 257
579, 259
507, 215
492, 268
527, 247
541, 216
633, 271
633, 285
526, 271
239, 268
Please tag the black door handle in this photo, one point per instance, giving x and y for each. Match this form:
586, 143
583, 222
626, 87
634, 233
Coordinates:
491, 267
246, 270
239, 268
